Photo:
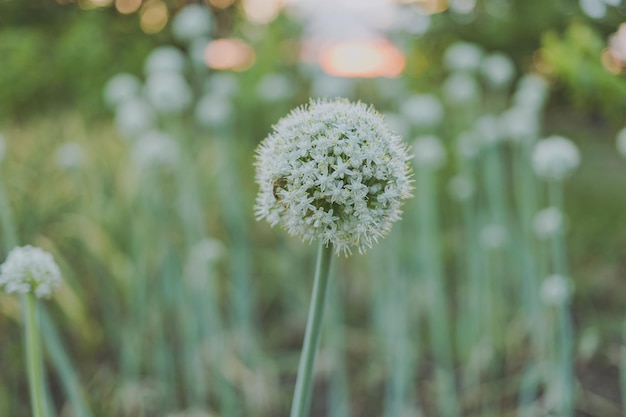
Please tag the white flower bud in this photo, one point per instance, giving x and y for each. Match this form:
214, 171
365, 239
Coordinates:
460, 88
463, 56
555, 158
348, 200
423, 110
121, 88
70, 155
548, 222
498, 70
165, 59
134, 117
168, 92
429, 152
30, 269
555, 290
519, 124
191, 22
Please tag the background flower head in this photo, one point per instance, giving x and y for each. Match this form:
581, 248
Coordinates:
333, 170
30, 269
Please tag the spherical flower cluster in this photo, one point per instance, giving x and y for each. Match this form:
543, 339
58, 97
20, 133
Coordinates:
30, 269
333, 170
531, 92
429, 152
165, 59
555, 158
548, 222
423, 110
463, 56
555, 290
519, 124
168, 92
121, 88
498, 70
192, 21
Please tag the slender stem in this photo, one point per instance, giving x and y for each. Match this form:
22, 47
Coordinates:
33, 357
302, 393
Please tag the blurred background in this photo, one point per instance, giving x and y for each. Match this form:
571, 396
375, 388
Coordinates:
128, 131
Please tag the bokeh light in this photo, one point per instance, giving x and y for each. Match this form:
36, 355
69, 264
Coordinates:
234, 54
127, 6
154, 16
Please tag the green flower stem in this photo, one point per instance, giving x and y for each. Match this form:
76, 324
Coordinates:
564, 320
33, 356
304, 381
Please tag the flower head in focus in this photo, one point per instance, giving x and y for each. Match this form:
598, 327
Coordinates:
30, 269
333, 170
555, 158
191, 22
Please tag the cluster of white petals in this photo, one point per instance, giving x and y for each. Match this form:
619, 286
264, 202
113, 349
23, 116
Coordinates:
555, 158
192, 21
333, 170
30, 269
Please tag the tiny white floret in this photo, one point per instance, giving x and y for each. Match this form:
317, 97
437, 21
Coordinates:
30, 269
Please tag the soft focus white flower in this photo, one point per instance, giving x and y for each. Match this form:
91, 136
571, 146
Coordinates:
275, 87
494, 236
548, 222
155, 149
165, 59
429, 152
487, 129
555, 290
134, 117
69, 155
422, 110
191, 22
519, 124
197, 49
3, 147
468, 145
620, 142
461, 188
121, 88
531, 92
168, 92
595, 9
555, 158
223, 84
333, 170
497, 70
460, 88
463, 56
213, 111
30, 269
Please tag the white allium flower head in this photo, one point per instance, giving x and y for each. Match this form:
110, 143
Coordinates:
333, 170
494, 236
134, 117
155, 149
197, 49
165, 59
555, 158
121, 88
275, 87
191, 22
69, 155
497, 70
223, 84
531, 92
460, 88
463, 56
429, 152
3, 147
168, 92
461, 188
30, 269
213, 111
548, 222
555, 290
487, 129
423, 110
620, 142
519, 124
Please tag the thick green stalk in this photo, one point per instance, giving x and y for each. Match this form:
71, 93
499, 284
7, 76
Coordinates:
304, 381
34, 364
